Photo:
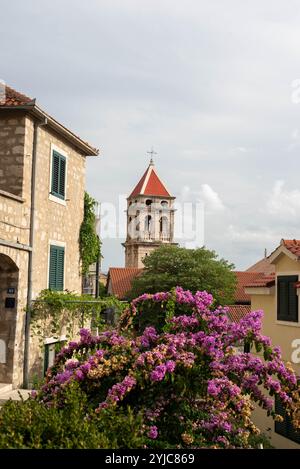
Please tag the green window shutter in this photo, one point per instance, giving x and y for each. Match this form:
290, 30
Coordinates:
60, 269
55, 174
56, 268
285, 428
46, 359
62, 177
58, 184
287, 298
293, 300
52, 268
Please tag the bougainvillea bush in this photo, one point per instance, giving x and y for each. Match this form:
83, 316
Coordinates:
189, 381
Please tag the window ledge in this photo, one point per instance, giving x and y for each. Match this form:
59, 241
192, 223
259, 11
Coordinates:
53, 198
9, 195
287, 323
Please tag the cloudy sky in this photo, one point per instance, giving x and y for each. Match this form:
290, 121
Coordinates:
213, 86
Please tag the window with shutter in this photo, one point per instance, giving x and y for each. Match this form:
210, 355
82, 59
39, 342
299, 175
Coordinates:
285, 428
58, 181
287, 298
56, 268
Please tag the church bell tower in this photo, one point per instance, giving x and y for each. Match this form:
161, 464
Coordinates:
150, 218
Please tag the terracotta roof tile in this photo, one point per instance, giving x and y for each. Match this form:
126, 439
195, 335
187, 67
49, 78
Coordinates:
263, 266
150, 184
244, 278
262, 281
238, 312
14, 98
120, 279
11, 98
293, 245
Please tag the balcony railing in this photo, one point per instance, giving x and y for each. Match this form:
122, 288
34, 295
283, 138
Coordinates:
148, 236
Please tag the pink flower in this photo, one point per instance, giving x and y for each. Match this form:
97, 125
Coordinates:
153, 432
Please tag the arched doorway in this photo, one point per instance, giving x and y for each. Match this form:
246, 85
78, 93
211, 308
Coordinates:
9, 277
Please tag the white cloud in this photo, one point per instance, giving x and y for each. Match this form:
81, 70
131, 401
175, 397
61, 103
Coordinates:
283, 202
188, 78
249, 237
212, 198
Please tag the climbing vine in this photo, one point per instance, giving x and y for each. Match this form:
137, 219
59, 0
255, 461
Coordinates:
89, 242
56, 313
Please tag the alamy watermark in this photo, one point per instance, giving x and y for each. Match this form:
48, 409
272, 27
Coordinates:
296, 353
158, 220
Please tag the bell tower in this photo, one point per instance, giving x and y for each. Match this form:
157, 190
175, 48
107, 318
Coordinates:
150, 218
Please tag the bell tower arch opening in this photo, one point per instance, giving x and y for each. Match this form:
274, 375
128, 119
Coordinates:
150, 218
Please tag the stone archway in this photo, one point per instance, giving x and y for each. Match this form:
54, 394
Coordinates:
9, 279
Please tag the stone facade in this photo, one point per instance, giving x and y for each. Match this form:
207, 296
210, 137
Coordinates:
56, 222
150, 219
12, 145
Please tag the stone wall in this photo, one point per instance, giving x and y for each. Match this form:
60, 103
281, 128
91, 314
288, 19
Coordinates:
135, 253
57, 222
14, 219
12, 136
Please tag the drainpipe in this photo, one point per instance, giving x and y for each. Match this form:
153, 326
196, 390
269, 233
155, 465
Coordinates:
36, 125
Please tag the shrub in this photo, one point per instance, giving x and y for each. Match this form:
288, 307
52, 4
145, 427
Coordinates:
31, 424
187, 386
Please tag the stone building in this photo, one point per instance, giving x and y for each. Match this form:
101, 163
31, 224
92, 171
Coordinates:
150, 224
150, 218
42, 183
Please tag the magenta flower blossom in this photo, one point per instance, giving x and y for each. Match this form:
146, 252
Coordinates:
153, 432
158, 373
197, 354
170, 366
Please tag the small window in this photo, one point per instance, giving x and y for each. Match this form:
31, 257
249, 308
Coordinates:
287, 298
164, 203
148, 202
56, 268
285, 428
58, 177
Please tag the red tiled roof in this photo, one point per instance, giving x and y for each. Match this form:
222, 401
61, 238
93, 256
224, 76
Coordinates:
263, 266
243, 279
238, 312
262, 281
120, 279
293, 245
13, 98
150, 184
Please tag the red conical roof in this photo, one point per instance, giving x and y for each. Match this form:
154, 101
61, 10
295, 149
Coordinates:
150, 184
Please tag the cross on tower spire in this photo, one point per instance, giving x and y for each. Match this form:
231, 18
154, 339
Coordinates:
151, 152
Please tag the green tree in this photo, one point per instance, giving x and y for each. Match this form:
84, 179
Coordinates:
89, 242
192, 269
